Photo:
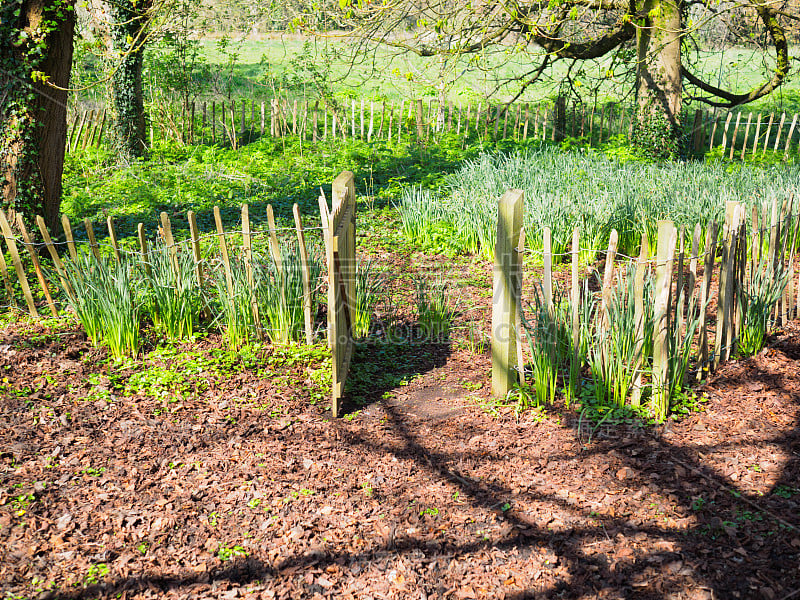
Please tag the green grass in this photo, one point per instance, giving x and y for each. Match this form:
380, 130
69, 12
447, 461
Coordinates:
262, 68
737, 69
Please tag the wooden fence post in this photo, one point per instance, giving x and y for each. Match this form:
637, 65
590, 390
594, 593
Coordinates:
746, 135
195, 236
274, 246
68, 234
789, 138
112, 234
169, 241
341, 251
308, 318
663, 284
148, 268
17, 262
92, 240
638, 319
506, 293
735, 134
37, 266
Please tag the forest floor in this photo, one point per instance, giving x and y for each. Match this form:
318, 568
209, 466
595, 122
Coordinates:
199, 473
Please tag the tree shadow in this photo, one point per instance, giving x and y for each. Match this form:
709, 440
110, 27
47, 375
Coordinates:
718, 540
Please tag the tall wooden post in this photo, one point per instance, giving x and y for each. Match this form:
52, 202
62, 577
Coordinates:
506, 293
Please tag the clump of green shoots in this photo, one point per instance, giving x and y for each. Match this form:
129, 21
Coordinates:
369, 284
280, 293
236, 302
266, 298
617, 346
434, 314
550, 344
174, 301
756, 304
103, 296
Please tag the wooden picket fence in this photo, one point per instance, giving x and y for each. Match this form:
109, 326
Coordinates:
737, 136
86, 130
337, 227
766, 247
237, 122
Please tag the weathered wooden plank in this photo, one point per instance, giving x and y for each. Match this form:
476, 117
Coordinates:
506, 296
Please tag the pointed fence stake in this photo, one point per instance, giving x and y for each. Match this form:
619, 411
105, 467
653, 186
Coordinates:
17, 262
37, 266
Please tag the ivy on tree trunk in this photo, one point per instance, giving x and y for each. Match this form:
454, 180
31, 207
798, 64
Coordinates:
128, 31
659, 81
35, 64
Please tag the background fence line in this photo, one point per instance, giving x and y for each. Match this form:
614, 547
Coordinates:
733, 135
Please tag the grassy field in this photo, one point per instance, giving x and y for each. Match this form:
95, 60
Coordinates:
277, 63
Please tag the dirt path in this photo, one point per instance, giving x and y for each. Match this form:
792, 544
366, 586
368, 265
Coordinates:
241, 488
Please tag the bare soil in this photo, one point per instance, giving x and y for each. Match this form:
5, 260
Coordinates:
243, 488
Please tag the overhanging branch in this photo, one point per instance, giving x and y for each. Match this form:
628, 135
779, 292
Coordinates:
768, 16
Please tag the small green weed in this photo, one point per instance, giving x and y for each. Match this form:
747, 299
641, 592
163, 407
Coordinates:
95, 574
225, 554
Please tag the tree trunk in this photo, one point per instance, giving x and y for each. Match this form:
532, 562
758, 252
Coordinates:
658, 75
33, 115
127, 33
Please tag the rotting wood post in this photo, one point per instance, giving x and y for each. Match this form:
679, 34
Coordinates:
506, 293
